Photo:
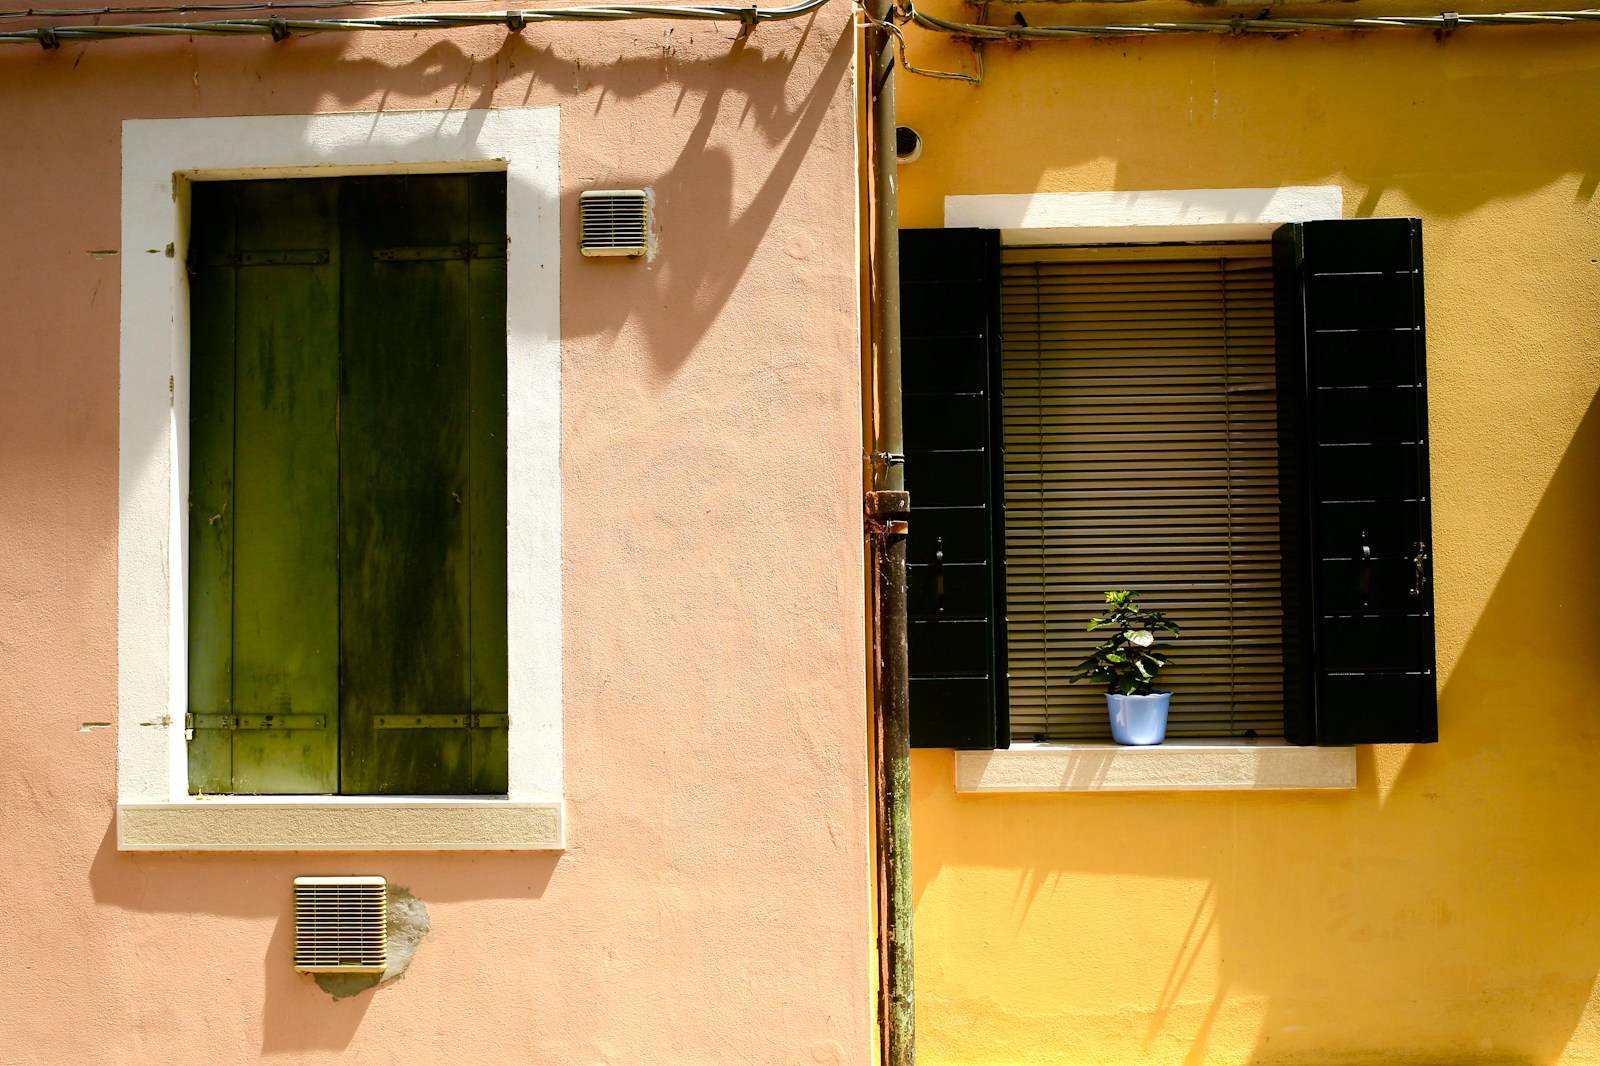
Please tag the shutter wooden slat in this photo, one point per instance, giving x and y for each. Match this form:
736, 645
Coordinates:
956, 643
1142, 452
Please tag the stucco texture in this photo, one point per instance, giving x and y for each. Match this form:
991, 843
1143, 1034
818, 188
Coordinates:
712, 904
1443, 911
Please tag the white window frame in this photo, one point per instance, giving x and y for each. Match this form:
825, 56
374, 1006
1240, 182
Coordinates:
160, 157
1148, 217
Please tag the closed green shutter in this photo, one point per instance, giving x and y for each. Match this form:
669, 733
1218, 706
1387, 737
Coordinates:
264, 580
950, 336
409, 490
347, 531
1358, 591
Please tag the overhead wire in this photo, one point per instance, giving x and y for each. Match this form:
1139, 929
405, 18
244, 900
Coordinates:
279, 28
186, 9
514, 20
900, 42
1446, 23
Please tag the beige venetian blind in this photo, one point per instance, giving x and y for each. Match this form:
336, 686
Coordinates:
1139, 413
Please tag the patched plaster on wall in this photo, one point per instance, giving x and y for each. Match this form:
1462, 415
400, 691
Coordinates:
408, 924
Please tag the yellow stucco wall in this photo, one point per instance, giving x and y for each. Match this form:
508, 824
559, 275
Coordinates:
1448, 910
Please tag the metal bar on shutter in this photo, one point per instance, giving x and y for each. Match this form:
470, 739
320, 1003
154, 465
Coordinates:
1139, 412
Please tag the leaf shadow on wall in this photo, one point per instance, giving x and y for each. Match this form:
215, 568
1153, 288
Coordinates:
1445, 917
714, 216
719, 176
1486, 839
1450, 125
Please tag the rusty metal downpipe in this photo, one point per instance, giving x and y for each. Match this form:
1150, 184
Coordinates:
888, 508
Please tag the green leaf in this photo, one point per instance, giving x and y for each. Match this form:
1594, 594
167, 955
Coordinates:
1141, 638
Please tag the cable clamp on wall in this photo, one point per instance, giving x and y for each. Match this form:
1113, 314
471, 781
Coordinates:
748, 19
906, 14
279, 29
516, 21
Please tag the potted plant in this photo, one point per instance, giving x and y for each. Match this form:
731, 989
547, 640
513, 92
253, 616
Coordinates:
1127, 663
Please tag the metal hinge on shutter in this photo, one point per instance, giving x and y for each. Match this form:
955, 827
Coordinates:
469, 720
236, 722
341, 924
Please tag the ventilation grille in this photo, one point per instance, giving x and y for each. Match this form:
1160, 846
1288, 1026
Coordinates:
615, 222
339, 924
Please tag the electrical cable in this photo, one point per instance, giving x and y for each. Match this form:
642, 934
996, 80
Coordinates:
900, 40
1445, 23
280, 28
185, 9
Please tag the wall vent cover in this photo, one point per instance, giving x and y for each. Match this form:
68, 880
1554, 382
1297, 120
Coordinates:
340, 924
615, 222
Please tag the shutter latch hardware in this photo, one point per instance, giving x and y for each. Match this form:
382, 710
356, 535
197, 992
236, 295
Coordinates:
1420, 562
1365, 571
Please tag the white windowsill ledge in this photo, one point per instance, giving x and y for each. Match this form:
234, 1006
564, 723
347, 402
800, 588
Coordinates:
342, 823
1176, 766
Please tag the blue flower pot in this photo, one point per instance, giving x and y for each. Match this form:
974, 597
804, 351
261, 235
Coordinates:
1138, 719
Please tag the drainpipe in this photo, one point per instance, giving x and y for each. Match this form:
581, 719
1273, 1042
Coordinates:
888, 507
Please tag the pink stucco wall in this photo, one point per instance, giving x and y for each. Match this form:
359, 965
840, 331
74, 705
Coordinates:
712, 905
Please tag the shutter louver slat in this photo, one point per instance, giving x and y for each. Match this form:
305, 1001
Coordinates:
1141, 451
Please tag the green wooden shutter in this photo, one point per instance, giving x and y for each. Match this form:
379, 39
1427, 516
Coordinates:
264, 581
422, 447
347, 608
1358, 590
949, 292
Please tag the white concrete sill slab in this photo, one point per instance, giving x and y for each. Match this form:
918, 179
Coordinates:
1176, 766
341, 823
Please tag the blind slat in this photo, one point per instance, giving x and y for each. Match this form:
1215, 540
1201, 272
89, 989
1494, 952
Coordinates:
1140, 432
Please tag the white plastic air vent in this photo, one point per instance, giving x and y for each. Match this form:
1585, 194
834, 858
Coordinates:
340, 924
614, 222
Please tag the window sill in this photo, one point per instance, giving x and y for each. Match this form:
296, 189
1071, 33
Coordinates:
1176, 766
342, 823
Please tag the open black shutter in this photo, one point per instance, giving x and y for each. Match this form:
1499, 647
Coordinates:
949, 323
1357, 532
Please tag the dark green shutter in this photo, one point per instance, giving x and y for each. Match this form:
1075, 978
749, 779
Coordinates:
415, 361
264, 581
1357, 529
949, 323
348, 486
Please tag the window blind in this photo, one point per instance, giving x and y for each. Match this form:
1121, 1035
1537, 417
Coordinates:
1140, 451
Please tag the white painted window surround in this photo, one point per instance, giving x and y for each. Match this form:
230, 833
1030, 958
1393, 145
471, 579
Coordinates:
1145, 217
159, 158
